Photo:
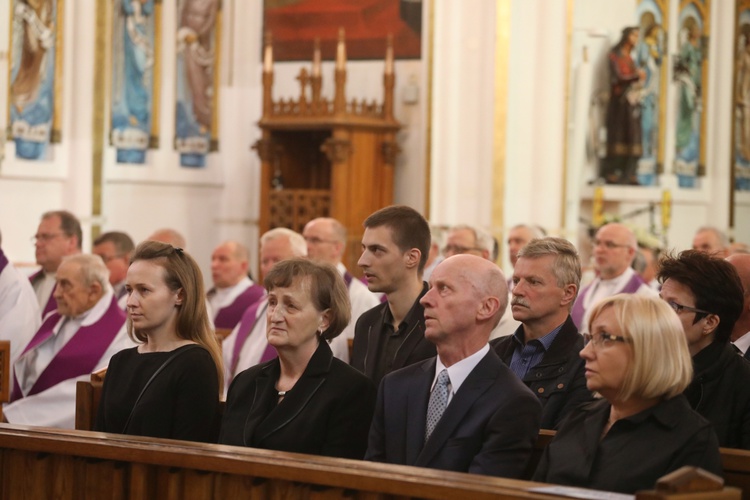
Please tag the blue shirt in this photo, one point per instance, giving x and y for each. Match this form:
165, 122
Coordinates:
527, 356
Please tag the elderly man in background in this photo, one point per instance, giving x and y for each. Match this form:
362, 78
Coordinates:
711, 240
170, 236
59, 235
326, 242
79, 337
19, 310
115, 249
233, 291
247, 346
614, 250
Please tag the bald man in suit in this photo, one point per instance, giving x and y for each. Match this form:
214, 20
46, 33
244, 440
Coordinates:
463, 410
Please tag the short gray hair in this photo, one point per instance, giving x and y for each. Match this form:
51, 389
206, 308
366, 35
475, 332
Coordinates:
92, 267
483, 239
720, 235
567, 266
296, 240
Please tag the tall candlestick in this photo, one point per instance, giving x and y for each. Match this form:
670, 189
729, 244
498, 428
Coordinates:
389, 56
268, 54
316, 59
341, 52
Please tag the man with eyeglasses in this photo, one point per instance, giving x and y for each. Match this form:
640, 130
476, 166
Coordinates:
326, 243
614, 250
466, 239
707, 295
59, 235
741, 332
115, 249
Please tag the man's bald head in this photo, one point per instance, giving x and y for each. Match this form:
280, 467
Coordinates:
615, 245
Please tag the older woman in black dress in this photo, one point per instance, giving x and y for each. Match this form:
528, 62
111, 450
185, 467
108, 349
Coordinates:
637, 360
169, 385
305, 400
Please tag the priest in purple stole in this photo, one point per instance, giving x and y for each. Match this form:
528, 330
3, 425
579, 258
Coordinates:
614, 250
246, 346
233, 291
79, 337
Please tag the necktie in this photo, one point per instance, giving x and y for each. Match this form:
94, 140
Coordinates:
438, 402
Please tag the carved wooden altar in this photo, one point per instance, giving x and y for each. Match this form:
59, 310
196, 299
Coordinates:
326, 158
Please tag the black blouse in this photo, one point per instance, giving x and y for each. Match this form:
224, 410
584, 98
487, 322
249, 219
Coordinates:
182, 402
636, 451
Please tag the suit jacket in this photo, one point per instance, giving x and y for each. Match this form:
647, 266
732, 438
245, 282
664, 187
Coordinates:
559, 380
489, 427
369, 340
328, 412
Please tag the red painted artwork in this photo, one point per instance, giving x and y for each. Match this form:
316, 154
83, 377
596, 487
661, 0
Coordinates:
295, 24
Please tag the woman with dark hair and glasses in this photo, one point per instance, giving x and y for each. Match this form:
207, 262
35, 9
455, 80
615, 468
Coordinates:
642, 428
169, 385
707, 295
304, 401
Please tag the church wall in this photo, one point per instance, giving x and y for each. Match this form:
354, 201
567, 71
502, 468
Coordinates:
222, 201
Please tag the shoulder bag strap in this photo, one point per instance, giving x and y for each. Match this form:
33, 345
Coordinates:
148, 383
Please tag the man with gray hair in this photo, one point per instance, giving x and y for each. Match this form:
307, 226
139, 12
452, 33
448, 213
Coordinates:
543, 352
247, 346
711, 240
79, 337
58, 235
471, 240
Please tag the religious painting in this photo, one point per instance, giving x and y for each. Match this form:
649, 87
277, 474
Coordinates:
295, 24
134, 55
741, 125
690, 72
651, 54
196, 117
35, 76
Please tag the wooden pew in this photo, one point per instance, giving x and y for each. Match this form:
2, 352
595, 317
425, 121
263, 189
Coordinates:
66, 464
736, 463
88, 394
5, 387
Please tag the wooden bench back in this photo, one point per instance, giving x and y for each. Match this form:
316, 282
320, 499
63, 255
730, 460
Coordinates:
47, 463
5, 387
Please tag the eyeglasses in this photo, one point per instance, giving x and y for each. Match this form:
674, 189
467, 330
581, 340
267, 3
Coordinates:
609, 245
678, 308
602, 339
314, 240
457, 249
45, 237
